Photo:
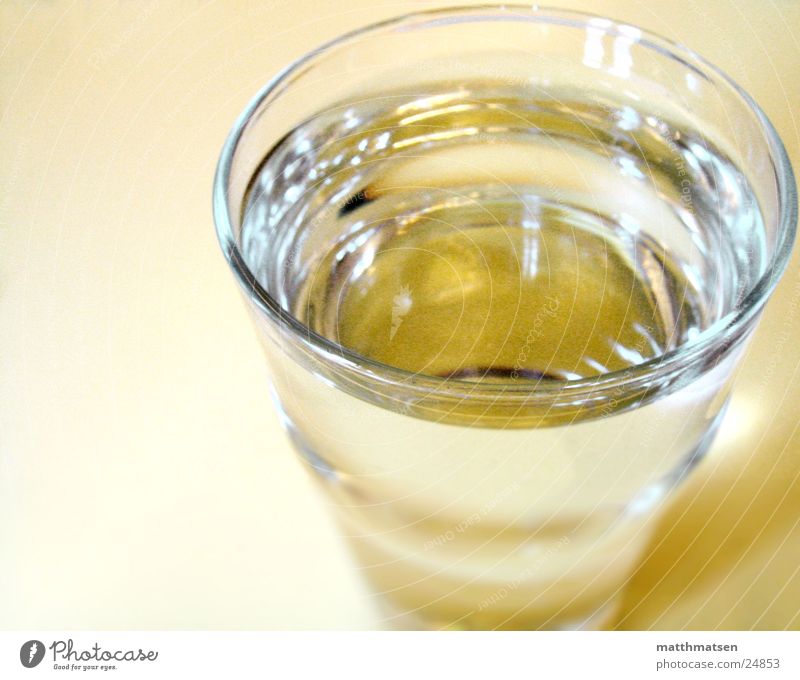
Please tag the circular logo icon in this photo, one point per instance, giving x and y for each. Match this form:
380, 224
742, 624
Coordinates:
31, 653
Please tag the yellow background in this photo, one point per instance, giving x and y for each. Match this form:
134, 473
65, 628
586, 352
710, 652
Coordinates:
144, 479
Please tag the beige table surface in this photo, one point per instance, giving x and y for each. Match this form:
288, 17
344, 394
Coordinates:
144, 479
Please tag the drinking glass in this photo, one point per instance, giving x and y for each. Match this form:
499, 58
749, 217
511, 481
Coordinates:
502, 261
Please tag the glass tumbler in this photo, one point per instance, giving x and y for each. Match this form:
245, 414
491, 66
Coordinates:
502, 262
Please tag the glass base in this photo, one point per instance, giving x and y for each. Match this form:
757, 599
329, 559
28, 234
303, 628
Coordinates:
600, 619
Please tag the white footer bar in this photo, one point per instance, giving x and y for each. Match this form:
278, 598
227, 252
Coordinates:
399, 655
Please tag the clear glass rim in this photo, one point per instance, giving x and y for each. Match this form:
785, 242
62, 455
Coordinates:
715, 335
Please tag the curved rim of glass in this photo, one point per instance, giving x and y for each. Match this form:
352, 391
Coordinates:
682, 355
